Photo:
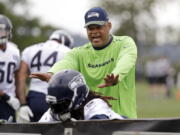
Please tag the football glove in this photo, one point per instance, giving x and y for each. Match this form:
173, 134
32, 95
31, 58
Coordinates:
24, 114
12, 101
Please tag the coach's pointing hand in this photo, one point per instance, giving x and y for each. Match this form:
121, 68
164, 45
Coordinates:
42, 76
110, 80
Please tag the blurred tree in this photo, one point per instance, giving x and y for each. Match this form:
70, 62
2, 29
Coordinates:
135, 18
26, 30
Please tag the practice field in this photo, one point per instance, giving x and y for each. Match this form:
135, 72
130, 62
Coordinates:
160, 107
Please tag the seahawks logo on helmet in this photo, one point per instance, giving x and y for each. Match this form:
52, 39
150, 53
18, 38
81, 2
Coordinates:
77, 81
76, 84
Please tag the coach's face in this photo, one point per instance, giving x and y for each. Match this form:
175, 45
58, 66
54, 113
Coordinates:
99, 35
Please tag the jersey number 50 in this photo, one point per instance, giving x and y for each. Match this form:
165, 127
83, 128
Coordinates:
10, 69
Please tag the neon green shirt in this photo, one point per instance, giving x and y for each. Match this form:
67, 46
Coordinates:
119, 57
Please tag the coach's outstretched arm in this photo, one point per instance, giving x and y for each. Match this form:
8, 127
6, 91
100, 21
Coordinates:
42, 76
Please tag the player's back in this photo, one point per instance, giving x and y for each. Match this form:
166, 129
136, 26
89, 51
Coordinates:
98, 107
9, 63
40, 57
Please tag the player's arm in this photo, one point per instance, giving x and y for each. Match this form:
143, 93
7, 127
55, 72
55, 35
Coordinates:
24, 112
21, 77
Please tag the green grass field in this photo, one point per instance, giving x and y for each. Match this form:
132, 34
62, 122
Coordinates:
162, 107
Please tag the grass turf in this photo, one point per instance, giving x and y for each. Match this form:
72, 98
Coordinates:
161, 107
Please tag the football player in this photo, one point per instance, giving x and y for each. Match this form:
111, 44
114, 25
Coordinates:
9, 65
69, 99
39, 58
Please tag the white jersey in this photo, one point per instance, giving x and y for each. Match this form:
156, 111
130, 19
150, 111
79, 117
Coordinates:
92, 108
98, 106
9, 63
40, 57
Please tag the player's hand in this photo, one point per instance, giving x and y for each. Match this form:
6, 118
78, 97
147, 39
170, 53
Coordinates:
41, 76
13, 102
24, 114
110, 80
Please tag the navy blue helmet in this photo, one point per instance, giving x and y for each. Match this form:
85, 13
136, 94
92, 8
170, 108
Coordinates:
5, 29
67, 90
62, 37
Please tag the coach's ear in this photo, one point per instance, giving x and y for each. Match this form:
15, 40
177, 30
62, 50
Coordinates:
109, 25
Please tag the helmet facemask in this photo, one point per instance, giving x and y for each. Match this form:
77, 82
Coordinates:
5, 29
59, 109
4, 35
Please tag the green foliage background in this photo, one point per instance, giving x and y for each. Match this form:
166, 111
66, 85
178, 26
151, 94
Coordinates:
26, 30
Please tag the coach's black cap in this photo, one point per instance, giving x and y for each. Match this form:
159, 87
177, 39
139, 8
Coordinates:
96, 15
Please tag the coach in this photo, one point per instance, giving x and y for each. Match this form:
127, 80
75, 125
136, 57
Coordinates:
107, 63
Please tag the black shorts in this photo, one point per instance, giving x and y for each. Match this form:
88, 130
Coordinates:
157, 80
6, 111
37, 103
